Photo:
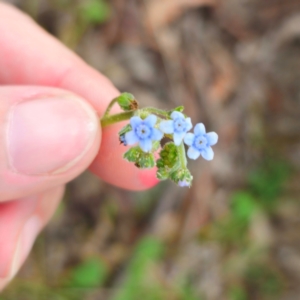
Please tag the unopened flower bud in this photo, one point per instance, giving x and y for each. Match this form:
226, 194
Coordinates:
127, 102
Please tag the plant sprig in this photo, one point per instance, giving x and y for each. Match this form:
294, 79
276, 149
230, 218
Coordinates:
146, 129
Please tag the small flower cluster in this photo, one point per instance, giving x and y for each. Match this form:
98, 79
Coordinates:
144, 133
146, 129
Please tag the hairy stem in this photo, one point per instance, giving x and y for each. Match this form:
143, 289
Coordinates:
182, 155
159, 112
109, 120
109, 107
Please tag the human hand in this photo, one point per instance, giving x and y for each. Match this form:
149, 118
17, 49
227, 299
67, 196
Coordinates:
49, 133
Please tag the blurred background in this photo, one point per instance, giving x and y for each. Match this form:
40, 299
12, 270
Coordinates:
235, 66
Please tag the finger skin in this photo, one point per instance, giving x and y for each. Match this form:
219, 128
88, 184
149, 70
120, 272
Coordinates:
14, 184
21, 221
28, 55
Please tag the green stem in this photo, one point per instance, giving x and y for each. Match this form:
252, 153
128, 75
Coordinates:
156, 111
109, 120
182, 155
111, 104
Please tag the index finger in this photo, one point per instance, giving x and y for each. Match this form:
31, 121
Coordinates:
29, 55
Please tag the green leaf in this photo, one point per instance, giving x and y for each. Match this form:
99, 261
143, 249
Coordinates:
182, 175
168, 166
266, 181
168, 162
95, 11
146, 161
140, 282
133, 154
141, 159
91, 273
162, 174
178, 108
237, 293
243, 205
265, 280
125, 129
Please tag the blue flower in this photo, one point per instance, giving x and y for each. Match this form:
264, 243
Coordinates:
143, 132
179, 126
200, 142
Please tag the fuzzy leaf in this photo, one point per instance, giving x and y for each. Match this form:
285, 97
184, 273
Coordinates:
168, 162
132, 154
182, 177
162, 174
141, 159
125, 129
146, 161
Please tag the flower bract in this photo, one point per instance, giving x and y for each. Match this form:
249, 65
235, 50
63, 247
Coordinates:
143, 132
178, 126
200, 143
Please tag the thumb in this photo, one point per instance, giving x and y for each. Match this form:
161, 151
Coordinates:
47, 137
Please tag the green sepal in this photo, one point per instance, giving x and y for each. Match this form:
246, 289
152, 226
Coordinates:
168, 162
169, 166
146, 161
178, 108
132, 155
155, 146
125, 129
182, 175
141, 159
122, 132
142, 114
127, 102
162, 174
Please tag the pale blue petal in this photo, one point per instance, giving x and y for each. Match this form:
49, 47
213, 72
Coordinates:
166, 126
150, 120
207, 153
189, 139
212, 138
189, 124
183, 183
177, 114
146, 145
199, 129
193, 153
156, 135
135, 121
178, 137
131, 138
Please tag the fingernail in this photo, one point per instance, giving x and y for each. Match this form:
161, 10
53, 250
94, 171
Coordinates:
24, 244
48, 135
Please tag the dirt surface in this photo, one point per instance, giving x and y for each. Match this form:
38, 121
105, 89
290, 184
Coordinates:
235, 66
